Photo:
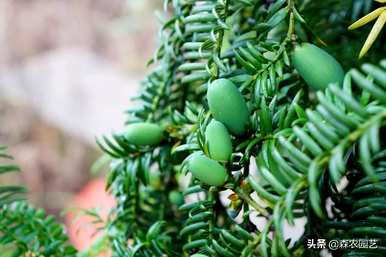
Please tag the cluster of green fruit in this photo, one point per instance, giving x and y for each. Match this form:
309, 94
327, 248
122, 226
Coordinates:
231, 115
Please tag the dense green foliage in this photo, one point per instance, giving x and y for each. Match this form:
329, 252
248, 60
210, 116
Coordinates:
25, 231
297, 153
303, 142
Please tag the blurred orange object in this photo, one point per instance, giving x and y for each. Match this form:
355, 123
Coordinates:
81, 229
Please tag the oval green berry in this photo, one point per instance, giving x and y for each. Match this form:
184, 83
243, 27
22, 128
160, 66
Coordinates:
228, 106
218, 140
207, 170
199, 255
144, 133
316, 66
176, 197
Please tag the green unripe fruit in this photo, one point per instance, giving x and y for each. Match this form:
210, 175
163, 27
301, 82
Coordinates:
316, 66
199, 255
144, 133
176, 198
219, 141
207, 170
228, 106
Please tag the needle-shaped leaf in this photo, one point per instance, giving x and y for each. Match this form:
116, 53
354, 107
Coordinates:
366, 19
377, 28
